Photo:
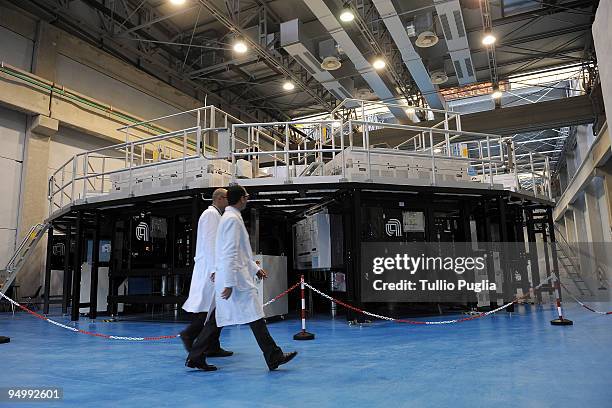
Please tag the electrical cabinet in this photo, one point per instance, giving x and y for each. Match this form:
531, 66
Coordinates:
318, 241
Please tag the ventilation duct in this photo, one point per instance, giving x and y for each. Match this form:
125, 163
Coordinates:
363, 66
451, 19
291, 42
411, 58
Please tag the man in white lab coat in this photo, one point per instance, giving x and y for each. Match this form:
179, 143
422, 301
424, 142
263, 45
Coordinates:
202, 289
236, 296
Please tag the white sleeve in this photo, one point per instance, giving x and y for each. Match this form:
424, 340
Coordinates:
253, 267
228, 241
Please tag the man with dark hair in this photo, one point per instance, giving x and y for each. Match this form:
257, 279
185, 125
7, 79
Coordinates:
202, 289
236, 297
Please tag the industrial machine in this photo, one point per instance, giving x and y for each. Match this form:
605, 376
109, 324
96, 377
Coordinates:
319, 190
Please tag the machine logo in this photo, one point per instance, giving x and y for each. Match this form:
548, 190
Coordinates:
142, 231
59, 249
393, 228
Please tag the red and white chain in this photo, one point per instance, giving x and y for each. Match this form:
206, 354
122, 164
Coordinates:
111, 337
432, 322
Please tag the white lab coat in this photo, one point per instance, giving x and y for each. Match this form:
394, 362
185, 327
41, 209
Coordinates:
202, 289
236, 269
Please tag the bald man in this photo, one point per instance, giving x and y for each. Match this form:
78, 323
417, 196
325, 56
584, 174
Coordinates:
202, 289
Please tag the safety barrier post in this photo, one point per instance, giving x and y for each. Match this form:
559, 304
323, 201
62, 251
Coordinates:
303, 334
561, 321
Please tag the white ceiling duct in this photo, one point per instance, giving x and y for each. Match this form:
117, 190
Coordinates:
451, 19
411, 58
362, 65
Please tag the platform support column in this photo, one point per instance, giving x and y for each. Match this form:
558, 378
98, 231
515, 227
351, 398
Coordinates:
490, 264
76, 280
48, 271
533, 253
95, 261
67, 280
508, 289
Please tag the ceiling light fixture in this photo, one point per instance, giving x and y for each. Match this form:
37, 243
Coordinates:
379, 63
240, 47
497, 93
288, 86
177, 2
347, 15
488, 38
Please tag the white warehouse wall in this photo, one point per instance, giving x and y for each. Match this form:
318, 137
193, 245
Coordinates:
105, 88
15, 49
12, 135
603, 48
72, 63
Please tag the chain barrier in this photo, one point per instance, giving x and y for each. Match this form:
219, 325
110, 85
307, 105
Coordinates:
111, 337
587, 307
433, 322
322, 294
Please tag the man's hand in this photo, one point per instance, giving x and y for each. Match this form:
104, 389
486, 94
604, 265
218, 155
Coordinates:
262, 274
212, 277
227, 292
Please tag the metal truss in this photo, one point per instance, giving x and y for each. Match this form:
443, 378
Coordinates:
283, 65
122, 23
487, 25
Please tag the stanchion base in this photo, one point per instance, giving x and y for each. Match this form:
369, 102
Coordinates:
4, 339
561, 322
303, 336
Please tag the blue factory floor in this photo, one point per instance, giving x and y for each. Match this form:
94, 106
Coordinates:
506, 360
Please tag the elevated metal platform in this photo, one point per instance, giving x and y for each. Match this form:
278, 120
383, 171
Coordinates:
461, 183
333, 151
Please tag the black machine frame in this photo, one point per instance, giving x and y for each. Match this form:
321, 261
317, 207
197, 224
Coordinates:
500, 215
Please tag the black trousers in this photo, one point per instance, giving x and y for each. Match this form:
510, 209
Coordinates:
195, 328
270, 350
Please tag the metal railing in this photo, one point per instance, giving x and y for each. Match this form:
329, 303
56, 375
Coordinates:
89, 173
324, 139
299, 148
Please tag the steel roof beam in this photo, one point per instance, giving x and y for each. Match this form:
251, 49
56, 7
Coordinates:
299, 78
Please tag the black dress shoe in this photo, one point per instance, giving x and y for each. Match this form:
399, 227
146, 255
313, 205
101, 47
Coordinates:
187, 343
287, 357
200, 365
220, 353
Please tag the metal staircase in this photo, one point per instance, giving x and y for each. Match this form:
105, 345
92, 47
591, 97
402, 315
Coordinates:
571, 264
23, 251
